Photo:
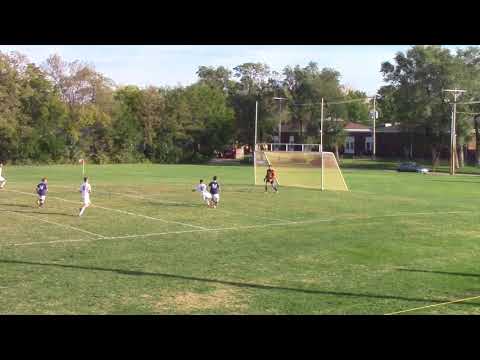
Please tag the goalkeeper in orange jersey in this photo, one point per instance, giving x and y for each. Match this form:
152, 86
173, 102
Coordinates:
271, 178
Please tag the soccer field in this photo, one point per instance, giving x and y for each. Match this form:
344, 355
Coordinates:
396, 243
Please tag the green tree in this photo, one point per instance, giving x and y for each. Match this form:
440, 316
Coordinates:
417, 79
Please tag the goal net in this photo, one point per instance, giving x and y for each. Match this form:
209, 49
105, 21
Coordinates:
300, 168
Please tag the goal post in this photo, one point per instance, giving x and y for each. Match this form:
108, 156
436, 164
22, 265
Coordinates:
298, 165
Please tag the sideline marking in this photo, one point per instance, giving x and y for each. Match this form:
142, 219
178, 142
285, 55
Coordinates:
430, 306
54, 223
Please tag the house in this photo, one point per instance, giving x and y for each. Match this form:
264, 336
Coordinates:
391, 140
359, 140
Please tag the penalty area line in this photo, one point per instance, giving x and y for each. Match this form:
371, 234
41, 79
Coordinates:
163, 201
434, 305
245, 227
120, 211
53, 223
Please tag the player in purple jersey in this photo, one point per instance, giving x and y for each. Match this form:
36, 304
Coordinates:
42, 190
214, 188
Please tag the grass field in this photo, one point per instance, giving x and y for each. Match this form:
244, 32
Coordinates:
395, 242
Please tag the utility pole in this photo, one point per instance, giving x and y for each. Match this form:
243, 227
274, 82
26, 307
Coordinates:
255, 146
280, 120
374, 120
321, 143
453, 132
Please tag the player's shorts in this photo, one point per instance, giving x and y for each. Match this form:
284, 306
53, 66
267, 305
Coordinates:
2, 179
42, 197
216, 197
86, 200
206, 196
270, 181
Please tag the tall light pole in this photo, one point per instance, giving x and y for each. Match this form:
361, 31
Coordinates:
374, 120
280, 120
321, 141
453, 132
255, 146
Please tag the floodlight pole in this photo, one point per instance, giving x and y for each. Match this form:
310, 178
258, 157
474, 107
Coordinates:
255, 146
321, 142
453, 132
280, 120
374, 119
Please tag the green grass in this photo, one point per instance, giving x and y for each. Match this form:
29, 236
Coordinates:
396, 241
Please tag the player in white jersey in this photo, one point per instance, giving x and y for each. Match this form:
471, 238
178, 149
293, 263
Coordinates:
202, 189
3, 181
85, 190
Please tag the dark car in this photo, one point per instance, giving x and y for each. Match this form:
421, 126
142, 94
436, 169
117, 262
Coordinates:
229, 154
412, 167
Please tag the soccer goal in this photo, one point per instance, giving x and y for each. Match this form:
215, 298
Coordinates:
299, 165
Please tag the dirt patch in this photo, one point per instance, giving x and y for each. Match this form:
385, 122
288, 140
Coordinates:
224, 299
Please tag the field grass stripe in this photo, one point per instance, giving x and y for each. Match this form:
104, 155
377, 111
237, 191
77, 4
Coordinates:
434, 305
54, 223
120, 211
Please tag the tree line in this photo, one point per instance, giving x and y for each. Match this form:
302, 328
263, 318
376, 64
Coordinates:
59, 111
415, 98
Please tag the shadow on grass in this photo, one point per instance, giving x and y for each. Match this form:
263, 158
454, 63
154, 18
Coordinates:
229, 283
439, 272
39, 212
18, 205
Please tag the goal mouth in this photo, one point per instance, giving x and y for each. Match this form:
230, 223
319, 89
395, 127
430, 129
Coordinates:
302, 169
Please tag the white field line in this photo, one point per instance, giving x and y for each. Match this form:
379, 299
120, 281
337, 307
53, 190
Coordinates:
120, 211
434, 305
54, 223
180, 203
234, 228
184, 203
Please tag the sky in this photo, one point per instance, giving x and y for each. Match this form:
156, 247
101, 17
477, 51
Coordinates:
172, 65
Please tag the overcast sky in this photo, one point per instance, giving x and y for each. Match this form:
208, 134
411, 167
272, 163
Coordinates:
177, 64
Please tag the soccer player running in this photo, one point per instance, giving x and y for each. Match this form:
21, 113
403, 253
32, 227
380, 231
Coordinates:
214, 188
271, 178
3, 181
85, 190
42, 190
206, 196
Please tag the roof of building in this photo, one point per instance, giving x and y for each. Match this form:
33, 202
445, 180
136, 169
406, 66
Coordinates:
356, 127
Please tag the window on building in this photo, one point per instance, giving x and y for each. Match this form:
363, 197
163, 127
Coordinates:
368, 144
350, 145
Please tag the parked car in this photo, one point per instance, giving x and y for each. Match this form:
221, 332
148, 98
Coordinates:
229, 153
412, 167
